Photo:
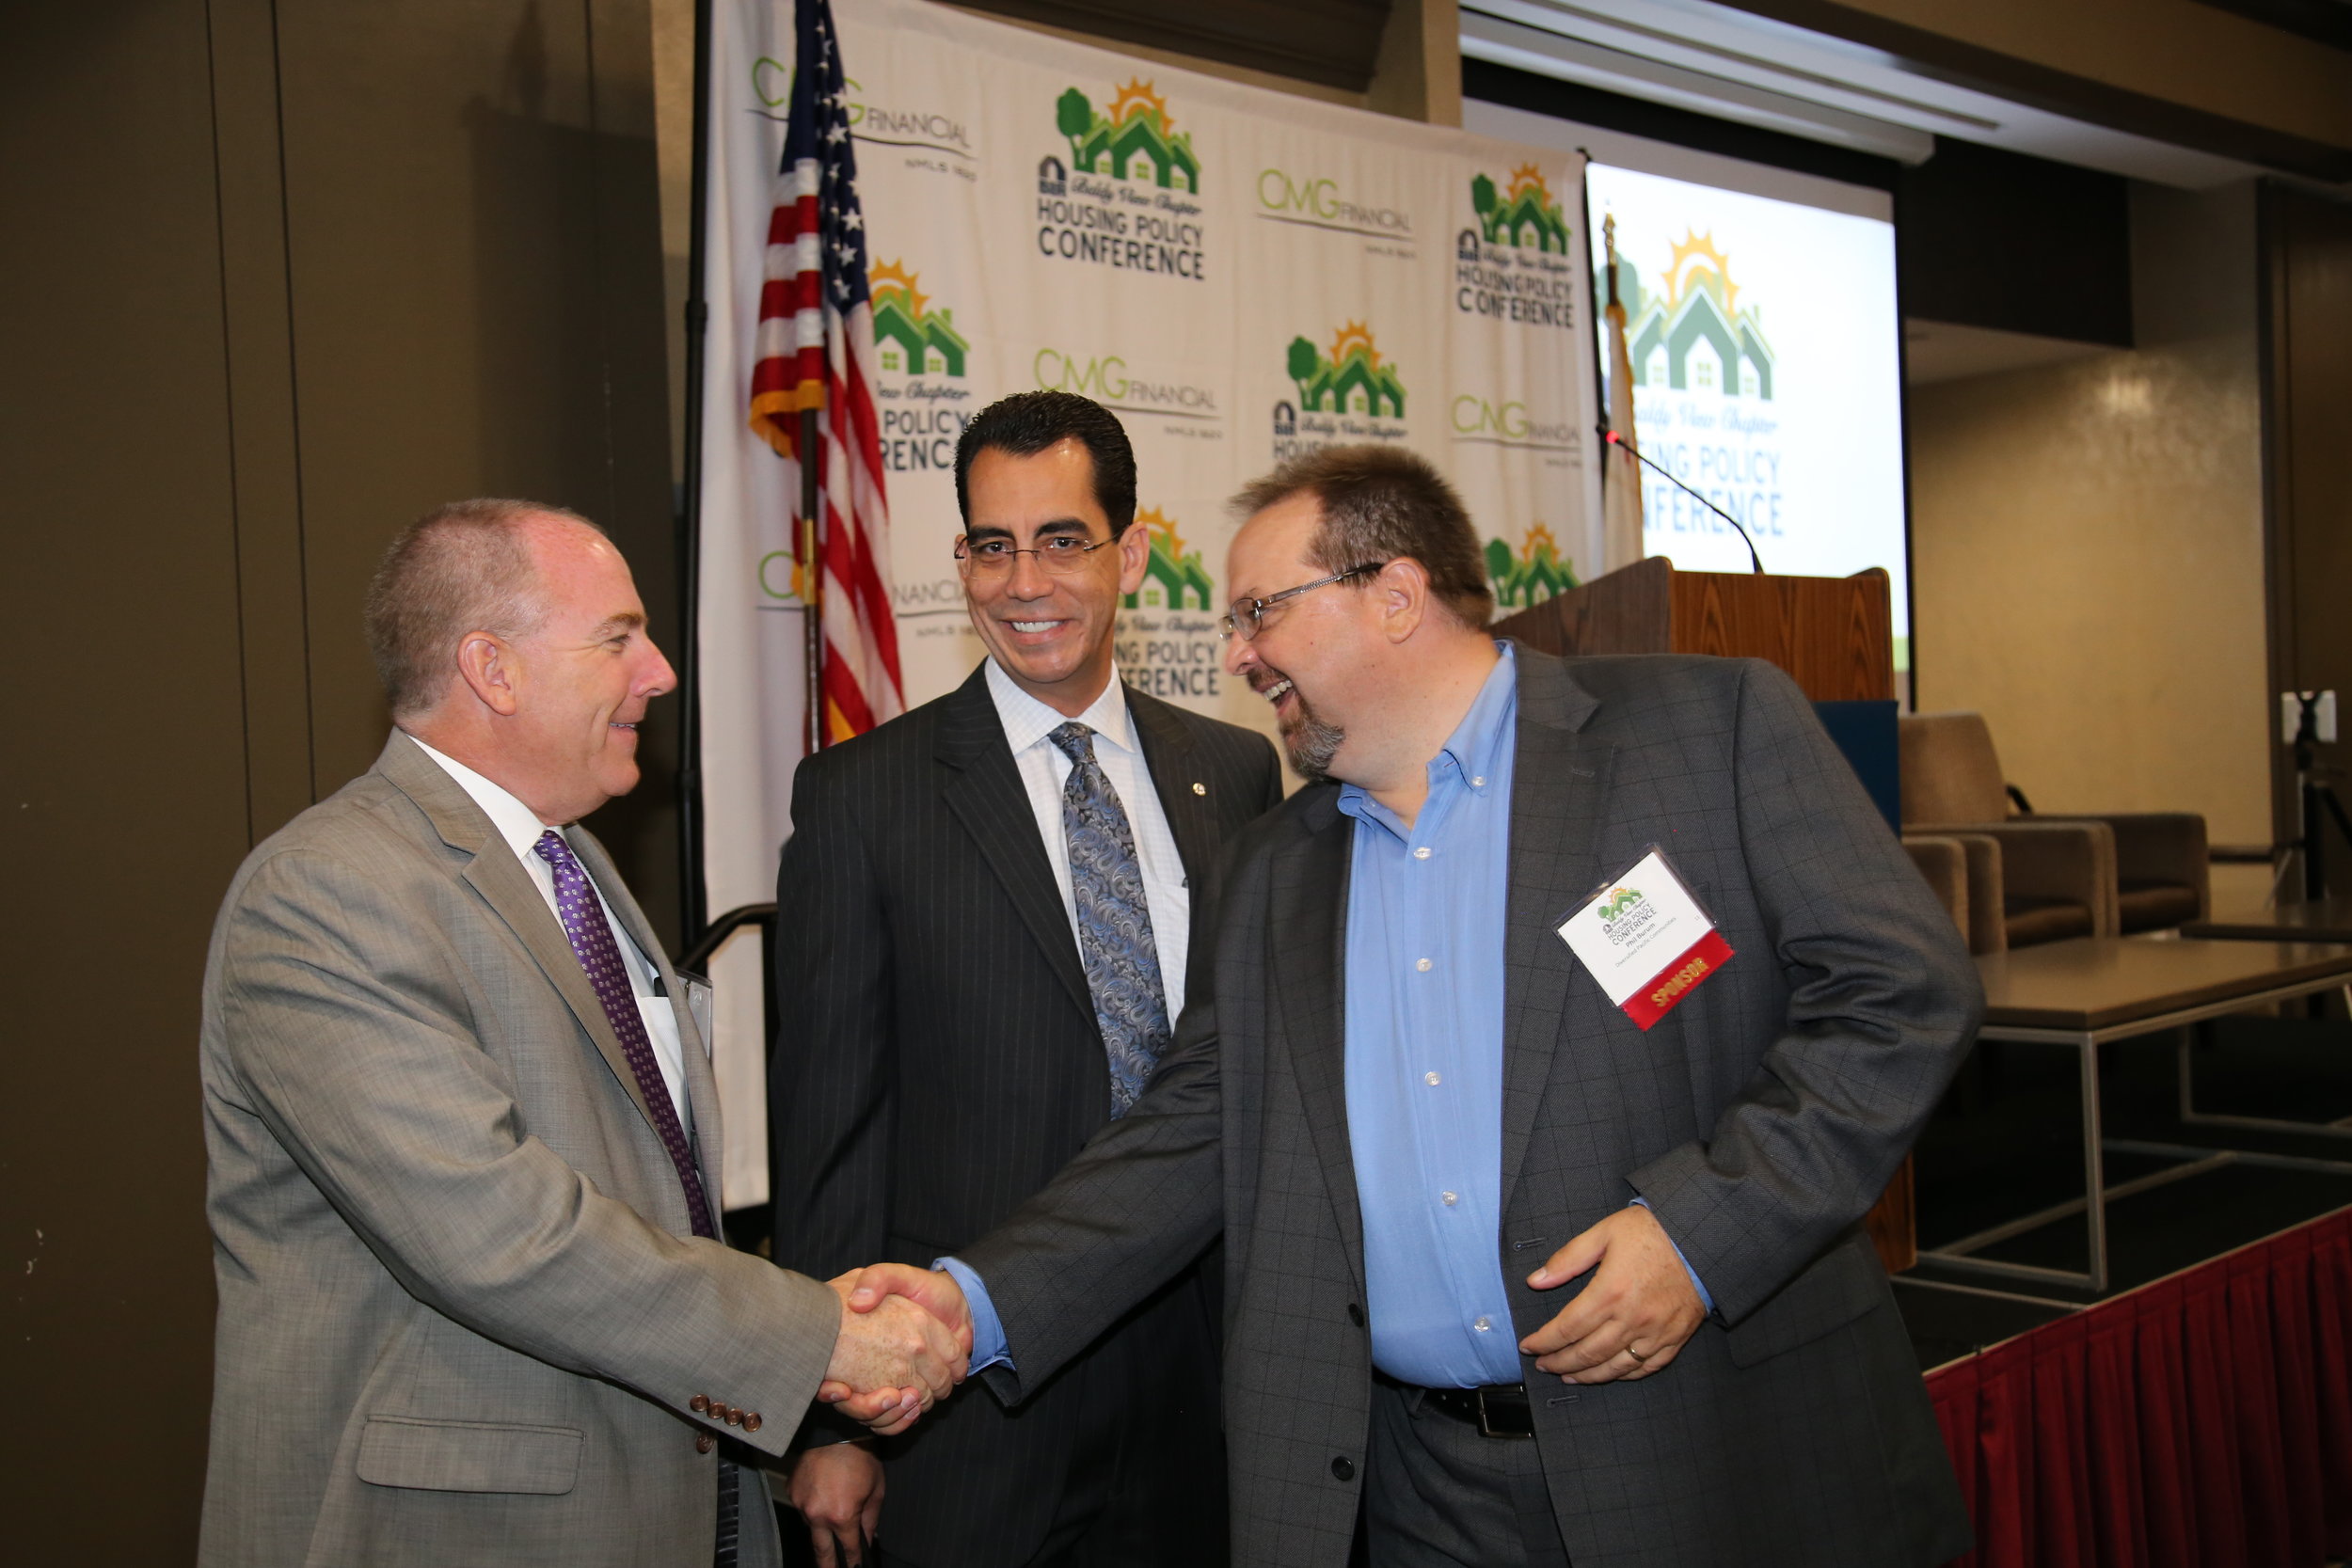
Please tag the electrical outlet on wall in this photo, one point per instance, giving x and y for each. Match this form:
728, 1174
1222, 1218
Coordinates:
2323, 708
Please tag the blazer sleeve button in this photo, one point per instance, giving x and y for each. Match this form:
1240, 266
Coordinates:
1343, 1469
751, 1421
734, 1417
699, 1405
704, 1442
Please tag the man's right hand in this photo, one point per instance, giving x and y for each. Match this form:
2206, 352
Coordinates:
893, 1358
838, 1490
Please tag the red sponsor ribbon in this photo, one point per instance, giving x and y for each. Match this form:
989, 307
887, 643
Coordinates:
1665, 991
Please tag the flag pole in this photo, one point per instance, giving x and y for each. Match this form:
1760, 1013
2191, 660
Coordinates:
812, 590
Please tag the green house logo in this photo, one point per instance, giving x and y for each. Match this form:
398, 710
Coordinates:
1353, 380
1173, 577
1534, 573
1524, 216
1692, 333
1134, 140
909, 334
1619, 900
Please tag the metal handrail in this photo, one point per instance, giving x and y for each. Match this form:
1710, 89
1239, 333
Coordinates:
698, 957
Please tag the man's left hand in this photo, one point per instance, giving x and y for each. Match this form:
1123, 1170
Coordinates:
1632, 1317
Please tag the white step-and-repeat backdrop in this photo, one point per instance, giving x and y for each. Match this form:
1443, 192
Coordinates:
1241, 274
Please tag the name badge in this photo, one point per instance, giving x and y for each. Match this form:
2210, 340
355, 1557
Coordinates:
1646, 939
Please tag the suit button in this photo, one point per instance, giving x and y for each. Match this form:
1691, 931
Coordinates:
699, 1405
704, 1442
734, 1417
1356, 1314
1344, 1468
751, 1421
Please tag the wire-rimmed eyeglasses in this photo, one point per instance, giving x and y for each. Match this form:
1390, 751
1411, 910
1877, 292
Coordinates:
1243, 617
1061, 554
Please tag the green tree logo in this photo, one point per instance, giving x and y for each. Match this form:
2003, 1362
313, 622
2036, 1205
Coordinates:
908, 334
1353, 380
1137, 127
1174, 577
1525, 215
1534, 573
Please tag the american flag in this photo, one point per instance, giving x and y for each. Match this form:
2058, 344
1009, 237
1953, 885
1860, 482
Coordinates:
816, 350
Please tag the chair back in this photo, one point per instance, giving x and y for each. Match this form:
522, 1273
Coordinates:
1950, 773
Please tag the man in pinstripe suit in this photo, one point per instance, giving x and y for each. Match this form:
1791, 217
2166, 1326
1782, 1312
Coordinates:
985, 915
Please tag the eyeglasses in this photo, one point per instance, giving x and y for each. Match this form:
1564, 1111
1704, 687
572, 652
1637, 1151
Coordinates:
993, 558
1243, 617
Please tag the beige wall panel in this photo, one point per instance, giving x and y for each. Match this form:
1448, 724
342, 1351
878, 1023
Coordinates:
2088, 544
474, 230
122, 802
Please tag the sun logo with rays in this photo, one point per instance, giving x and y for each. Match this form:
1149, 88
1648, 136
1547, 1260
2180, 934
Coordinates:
1355, 338
892, 277
1528, 180
1699, 264
1137, 99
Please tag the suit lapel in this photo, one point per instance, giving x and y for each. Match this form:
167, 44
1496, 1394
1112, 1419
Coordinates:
1309, 976
502, 883
1559, 784
983, 788
1167, 753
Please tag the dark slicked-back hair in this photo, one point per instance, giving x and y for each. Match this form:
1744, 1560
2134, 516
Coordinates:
460, 568
1381, 503
1027, 423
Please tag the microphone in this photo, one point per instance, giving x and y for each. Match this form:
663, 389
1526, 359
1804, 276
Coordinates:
1613, 438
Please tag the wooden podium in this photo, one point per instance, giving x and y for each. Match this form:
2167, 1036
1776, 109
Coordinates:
1834, 635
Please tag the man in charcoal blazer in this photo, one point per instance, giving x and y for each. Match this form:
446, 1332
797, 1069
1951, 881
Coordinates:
1543, 1288
943, 1043
463, 1138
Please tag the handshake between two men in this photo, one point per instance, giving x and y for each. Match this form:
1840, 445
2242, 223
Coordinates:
905, 1342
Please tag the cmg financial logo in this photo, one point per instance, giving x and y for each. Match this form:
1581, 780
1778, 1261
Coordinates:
1109, 380
1317, 202
1506, 423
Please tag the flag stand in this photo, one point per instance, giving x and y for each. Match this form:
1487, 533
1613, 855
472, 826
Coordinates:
812, 590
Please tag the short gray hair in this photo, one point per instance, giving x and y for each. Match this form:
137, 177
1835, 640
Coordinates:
462, 567
1381, 504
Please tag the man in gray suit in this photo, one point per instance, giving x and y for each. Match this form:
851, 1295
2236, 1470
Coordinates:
464, 1137
1421, 1121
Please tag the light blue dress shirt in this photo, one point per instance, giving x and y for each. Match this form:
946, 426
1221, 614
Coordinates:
1426, 906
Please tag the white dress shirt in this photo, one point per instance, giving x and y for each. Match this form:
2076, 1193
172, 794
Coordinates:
520, 827
1028, 724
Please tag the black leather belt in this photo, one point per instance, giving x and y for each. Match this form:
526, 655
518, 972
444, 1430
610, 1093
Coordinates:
1498, 1410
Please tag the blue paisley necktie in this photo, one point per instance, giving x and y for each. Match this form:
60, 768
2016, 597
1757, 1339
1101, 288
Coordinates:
1122, 964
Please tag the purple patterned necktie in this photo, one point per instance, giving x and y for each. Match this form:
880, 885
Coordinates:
582, 914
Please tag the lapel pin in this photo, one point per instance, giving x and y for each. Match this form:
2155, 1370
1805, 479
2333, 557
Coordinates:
1200, 788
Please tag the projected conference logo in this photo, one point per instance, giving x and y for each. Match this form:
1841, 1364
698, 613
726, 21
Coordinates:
1530, 575
1126, 196
1693, 333
1703, 372
1348, 394
1115, 382
923, 359
1166, 641
1513, 262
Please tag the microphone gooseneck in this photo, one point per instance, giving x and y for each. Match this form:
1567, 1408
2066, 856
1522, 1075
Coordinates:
1613, 438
